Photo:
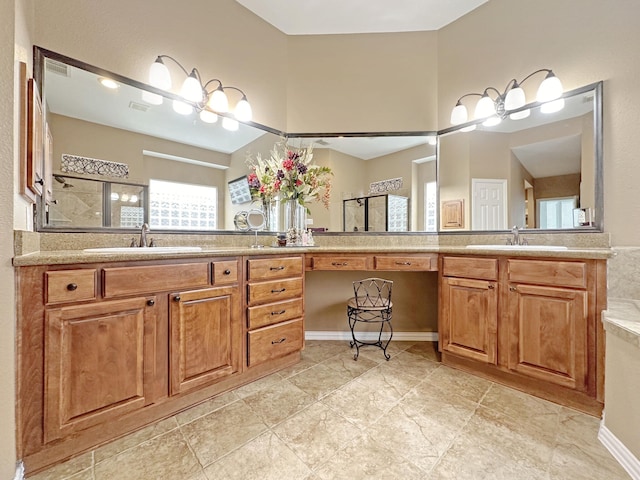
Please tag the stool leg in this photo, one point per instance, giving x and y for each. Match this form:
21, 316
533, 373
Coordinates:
384, 349
352, 324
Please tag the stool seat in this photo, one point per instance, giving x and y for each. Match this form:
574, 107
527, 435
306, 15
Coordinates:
371, 303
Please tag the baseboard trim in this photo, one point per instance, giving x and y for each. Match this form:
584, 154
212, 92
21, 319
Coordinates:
370, 336
619, 451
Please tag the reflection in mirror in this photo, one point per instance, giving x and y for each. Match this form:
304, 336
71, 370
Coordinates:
255, 222
368, 165
542, 172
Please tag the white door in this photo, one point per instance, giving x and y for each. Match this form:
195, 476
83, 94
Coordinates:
489, 207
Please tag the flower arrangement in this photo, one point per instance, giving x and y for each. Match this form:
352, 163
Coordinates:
290, 173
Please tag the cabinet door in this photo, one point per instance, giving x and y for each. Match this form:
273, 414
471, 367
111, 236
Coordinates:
205, 337
548, 334
99, 363
469, 318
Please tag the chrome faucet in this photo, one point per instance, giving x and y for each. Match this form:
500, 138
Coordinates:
143, 235
515, 237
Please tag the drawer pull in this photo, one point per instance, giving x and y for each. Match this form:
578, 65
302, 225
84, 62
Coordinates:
339, 264
151, 302
278, 291
490, 287
227, 272
275, 342
513, 289
281, 267
278, 313
403, 263
176, 298
72, 286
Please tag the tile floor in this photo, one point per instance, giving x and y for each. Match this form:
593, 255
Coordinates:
329, 417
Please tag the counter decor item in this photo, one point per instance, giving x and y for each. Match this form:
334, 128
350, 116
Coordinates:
290, 173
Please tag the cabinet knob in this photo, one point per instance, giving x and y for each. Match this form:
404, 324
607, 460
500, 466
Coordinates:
227, 272
40, 181
72, 286
491, 286
176, 298
513, 289
151, 302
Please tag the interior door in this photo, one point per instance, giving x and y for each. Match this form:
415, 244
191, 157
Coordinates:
489, 207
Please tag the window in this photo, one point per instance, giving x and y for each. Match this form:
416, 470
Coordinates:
182, 206
556, 212
430, 206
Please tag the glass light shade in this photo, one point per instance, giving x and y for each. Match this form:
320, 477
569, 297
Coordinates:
114, 196
159, 75
520, 115
459, 114
485, 107
133, 199
191, 89
108, 83
492, 121
549, 89
230, 124
515, 99
151, 98
182, 108
208, 116
243, 110
470, 128
218, 101
552, 107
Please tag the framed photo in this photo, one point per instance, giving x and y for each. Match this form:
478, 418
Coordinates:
23, 151
239, 190
35, 140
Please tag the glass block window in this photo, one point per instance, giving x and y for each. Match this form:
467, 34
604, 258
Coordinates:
182, 206
131, 217
430, 211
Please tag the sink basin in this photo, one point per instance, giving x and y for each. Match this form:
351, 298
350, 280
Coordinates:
548, 248
143, 250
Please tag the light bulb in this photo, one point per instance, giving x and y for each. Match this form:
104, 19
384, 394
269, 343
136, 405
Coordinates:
230, 124
552, 107
159, 75
485, 107
114, 196
191, 89
208, 116
515, 98
459, 114
243, 110
492, 121
520, 115
133, 199
549, 89
108, 83
182, 108
218, 101
151, 98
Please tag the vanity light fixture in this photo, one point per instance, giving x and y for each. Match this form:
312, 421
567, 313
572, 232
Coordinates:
493, 110
108, 83
197, 95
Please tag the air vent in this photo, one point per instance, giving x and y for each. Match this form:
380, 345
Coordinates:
57, 68
138, 106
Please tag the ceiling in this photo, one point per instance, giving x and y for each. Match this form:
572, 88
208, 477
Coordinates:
315, 17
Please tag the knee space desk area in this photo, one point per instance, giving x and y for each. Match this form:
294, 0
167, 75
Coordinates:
527, 320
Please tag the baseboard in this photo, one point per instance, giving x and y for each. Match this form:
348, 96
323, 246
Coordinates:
619, 451
370, 336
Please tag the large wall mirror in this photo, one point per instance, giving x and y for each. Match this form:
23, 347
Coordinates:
542, 172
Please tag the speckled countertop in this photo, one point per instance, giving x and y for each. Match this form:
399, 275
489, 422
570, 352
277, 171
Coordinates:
622, 319
58, 257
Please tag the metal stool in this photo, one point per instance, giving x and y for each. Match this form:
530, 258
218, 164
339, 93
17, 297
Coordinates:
371, 304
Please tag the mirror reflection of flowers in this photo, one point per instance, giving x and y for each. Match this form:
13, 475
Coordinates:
290, 173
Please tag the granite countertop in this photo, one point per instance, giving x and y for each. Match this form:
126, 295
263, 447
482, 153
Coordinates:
58, 257
622, 319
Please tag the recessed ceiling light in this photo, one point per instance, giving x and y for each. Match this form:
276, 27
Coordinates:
107, 82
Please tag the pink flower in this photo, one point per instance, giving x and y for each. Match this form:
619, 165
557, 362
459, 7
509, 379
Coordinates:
287, 164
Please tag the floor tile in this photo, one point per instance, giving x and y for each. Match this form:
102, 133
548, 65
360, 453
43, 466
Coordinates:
278, 402
574, 462
207, 407
75, 466
222, 431
165, 456
264, 458
320, 350
451, 380
316, 433
428, 350
320, 380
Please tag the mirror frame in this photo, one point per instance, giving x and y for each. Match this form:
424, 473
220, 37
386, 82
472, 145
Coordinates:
41, 54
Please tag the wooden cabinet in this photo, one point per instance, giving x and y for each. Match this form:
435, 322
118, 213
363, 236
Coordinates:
99, 363
205, 337
529, 323
413, 262
275, 308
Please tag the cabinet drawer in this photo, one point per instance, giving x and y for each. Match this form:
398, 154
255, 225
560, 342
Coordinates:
465, 267
70, 286
225, 272
406, 262
269, 292
341, 262
546, 272
120, 281
263, 315
274, 341
276, 267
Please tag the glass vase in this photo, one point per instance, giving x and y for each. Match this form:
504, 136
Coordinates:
270, 215
295, 221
